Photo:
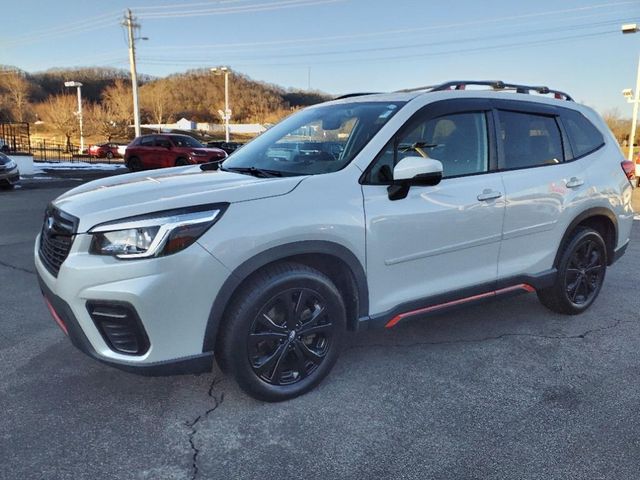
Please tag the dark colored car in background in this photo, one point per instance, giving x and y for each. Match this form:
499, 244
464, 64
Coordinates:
228, 147
168, 150
104, 150
9, 174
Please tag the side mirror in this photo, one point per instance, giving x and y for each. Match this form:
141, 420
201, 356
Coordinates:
414, 171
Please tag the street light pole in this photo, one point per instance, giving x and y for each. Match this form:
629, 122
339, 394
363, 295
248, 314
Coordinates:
226, 115
634, 119
78, 85
635, 96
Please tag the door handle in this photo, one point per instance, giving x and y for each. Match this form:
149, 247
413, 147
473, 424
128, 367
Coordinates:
488, 195
575, 182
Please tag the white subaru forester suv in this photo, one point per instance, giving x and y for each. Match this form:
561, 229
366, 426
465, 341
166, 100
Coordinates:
362, 212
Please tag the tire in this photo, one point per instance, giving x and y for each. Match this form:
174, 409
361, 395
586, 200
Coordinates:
134, 164
109, 155
262, 342
7, 186
581, 271
180, 162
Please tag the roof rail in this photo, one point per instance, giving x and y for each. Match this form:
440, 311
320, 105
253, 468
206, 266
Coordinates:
500, 85
359, 94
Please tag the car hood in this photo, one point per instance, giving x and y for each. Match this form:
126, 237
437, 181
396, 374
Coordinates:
133, 194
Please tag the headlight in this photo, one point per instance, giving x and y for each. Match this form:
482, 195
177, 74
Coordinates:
10, 165
154, 235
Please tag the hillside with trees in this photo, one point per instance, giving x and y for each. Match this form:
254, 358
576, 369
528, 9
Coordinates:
107, 102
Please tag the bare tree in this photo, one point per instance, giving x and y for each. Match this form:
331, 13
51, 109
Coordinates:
117, 106
101, 121
58, 112
155, 98
18, 90
619, 126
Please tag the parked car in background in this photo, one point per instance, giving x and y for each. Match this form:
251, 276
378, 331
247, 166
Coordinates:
104, 150
228, 147
168, 150
9, 174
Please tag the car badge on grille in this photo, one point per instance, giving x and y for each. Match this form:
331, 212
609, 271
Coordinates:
49, 224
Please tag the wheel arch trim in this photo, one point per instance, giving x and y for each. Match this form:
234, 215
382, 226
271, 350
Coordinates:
585, 215
278, 253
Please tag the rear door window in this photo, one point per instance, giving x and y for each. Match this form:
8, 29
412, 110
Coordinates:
529, 140
584, 137
146, 142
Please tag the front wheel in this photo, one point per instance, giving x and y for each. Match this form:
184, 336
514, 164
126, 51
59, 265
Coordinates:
283, 332
581, 272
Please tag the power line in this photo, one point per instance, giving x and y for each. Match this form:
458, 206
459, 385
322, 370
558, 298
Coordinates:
185, 5
88, 23
386, 33
181, 13
359, 61
344, 51
60, 33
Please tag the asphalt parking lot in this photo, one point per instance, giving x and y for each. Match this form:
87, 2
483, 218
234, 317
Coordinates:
503, 390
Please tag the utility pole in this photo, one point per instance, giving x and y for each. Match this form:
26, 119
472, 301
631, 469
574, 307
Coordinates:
131, 25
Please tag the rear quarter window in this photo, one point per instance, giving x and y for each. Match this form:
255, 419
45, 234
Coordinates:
584, 137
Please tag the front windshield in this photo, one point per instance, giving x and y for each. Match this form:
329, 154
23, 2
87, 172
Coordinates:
316, 140
184, 141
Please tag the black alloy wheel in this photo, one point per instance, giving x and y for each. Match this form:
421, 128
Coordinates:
585, 272
283, 331
581, 270
290, 337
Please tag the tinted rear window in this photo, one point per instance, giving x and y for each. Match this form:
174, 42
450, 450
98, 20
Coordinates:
529, 140
583, 135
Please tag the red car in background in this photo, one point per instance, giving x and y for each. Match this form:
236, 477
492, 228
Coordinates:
104, 150
168, 150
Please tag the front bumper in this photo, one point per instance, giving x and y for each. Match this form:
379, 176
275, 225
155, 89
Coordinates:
172, 295
194, 364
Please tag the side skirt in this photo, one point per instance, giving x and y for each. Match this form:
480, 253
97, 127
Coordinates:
468, 296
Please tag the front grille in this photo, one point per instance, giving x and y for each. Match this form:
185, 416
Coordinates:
120, 327
56, 238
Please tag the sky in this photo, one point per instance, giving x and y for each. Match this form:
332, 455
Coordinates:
341, 46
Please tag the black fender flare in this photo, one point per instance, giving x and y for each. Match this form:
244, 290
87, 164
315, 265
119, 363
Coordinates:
281, 252
586, 214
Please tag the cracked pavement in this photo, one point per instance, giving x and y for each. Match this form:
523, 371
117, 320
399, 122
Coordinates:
501, 390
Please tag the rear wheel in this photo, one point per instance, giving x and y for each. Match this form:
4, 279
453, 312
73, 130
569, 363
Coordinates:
581, 272
283, 332
134, 164
109, 155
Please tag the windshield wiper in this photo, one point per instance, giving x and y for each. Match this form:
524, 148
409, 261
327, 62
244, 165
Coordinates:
256, 172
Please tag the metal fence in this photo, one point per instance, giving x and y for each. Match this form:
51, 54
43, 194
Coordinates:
15, 136
48, 151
